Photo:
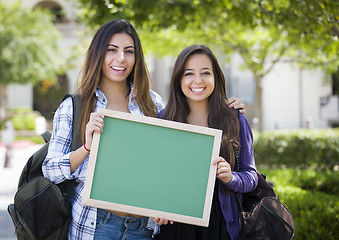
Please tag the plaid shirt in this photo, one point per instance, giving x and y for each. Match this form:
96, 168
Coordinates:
56, 166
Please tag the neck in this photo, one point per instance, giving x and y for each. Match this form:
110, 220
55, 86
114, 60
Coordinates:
117, 94
198, 113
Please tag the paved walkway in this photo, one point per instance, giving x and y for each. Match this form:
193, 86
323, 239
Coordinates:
9, 178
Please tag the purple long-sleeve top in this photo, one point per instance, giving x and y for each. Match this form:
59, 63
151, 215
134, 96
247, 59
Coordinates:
243, 180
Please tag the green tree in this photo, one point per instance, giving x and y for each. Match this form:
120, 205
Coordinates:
29, 51
263, 32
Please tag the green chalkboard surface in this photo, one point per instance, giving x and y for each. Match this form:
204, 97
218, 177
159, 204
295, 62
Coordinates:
153, 167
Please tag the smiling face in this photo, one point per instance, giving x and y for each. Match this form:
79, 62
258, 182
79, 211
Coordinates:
119, 58
197, 82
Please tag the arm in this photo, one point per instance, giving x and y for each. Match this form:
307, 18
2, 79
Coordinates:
60, 163
246, 179
56, 165
95, 124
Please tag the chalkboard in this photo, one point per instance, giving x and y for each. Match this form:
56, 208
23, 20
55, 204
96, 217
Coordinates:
152, 167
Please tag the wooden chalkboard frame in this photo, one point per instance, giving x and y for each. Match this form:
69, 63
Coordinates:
90, 197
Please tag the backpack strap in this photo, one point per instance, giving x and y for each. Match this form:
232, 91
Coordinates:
242, 232
46, 136
68, 186
237, 152
77, 139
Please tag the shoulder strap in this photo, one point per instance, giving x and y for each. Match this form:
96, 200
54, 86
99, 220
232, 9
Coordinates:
68, 186
76, 135
237, 152
76, 139
242, 231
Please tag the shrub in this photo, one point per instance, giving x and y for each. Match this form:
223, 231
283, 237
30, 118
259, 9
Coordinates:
36, 139
315, 214
317, 149
23, 119
321, 181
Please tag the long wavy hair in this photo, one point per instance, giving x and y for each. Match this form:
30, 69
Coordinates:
91, 72
220, 116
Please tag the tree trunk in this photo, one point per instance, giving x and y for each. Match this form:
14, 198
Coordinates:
258, 105
3, 102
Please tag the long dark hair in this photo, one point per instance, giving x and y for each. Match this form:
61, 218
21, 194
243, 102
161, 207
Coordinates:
91, 71
220, 116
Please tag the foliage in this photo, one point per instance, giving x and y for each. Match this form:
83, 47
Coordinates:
263, 32
309, 30
317, 149
35, 138
23, 119
325, 181
48, 96
28, 45
316, 214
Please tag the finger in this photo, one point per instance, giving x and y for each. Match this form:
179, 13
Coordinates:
96, 115
96, 121
231, 100
98, 126
223, 170
165, 221
91, 129
95, 125
161, 221
239, 106
217, 160
222, 164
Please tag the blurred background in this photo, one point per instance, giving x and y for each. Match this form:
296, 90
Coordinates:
280, 57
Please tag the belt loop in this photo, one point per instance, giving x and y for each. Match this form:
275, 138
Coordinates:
108, 216
143, 222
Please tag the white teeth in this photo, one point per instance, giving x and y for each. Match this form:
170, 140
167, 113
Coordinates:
118, 68
197, 89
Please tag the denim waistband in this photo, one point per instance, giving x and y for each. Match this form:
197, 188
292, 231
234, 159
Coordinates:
136, 222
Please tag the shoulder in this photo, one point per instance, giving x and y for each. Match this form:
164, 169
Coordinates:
245, 128
156, 98
66, 104
243, 120
65, 109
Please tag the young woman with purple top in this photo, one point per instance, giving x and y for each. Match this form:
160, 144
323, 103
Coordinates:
198, 96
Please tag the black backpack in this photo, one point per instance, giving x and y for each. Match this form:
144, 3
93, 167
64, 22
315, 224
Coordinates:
262, 215
42, 209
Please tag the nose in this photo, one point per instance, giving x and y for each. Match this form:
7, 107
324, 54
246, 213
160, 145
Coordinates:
198, 79
121, 56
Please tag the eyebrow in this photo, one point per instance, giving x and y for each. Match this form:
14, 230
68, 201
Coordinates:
112, 45
189, 69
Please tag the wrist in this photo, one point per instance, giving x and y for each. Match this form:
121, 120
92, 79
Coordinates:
88, 150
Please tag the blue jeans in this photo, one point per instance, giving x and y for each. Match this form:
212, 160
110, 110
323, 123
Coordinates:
113, 227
